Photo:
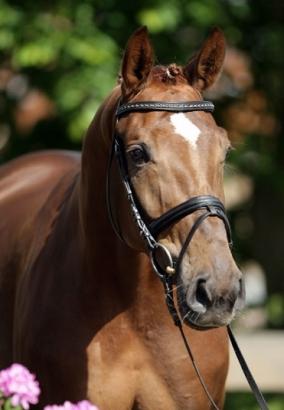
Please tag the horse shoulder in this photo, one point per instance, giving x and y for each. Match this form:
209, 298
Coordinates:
27, 188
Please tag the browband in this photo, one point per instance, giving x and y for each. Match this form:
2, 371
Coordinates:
185, 106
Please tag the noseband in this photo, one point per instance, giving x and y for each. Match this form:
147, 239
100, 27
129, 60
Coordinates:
208, 204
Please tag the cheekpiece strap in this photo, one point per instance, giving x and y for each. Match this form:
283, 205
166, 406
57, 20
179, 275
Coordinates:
185, 106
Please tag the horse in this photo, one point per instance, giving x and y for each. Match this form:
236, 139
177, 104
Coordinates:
81, 303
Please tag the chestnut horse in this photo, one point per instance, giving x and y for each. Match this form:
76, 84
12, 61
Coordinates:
85, 310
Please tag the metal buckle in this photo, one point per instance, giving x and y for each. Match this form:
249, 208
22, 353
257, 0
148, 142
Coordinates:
169, 263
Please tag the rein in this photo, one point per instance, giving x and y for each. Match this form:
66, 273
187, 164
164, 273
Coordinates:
211, 207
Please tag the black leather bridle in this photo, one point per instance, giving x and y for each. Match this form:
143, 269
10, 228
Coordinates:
150, 230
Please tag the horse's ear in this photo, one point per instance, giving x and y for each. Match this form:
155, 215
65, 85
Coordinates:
203, 69
137, 61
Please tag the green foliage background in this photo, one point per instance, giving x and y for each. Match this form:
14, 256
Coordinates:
71, 50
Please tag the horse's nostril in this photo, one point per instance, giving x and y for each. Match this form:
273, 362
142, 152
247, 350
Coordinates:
203, 296
221, 301
206, 295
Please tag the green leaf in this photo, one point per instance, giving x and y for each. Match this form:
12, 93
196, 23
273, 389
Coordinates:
207, 12
9, 16
165, 17
91, 51
7, 39
38, 53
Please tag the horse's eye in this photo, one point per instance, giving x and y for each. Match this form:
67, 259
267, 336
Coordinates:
138, 154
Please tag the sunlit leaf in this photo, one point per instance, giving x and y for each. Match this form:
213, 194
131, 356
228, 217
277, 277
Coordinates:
165, 17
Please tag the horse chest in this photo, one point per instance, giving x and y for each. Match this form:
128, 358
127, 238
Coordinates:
124, 374
128, 381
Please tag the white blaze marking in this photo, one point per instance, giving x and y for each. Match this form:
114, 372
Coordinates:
184, 127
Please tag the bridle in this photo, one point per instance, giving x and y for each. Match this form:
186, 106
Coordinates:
150, 230
211, 205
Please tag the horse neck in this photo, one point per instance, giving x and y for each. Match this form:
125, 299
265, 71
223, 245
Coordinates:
101, 244
117, 268
96, 150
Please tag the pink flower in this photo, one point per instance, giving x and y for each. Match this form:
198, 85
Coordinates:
20, 385
81, 405
86, 405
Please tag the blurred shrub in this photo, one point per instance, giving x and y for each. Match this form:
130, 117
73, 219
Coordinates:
275, 310
245, 401
63, 52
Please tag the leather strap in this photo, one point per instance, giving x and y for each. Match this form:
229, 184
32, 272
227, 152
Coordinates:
113, 221
185, 106
250, 379
209, 202
168, 287
189, 237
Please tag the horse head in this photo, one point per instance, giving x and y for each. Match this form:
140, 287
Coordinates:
171, 157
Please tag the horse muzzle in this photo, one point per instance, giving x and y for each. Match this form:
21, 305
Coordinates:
204, 304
